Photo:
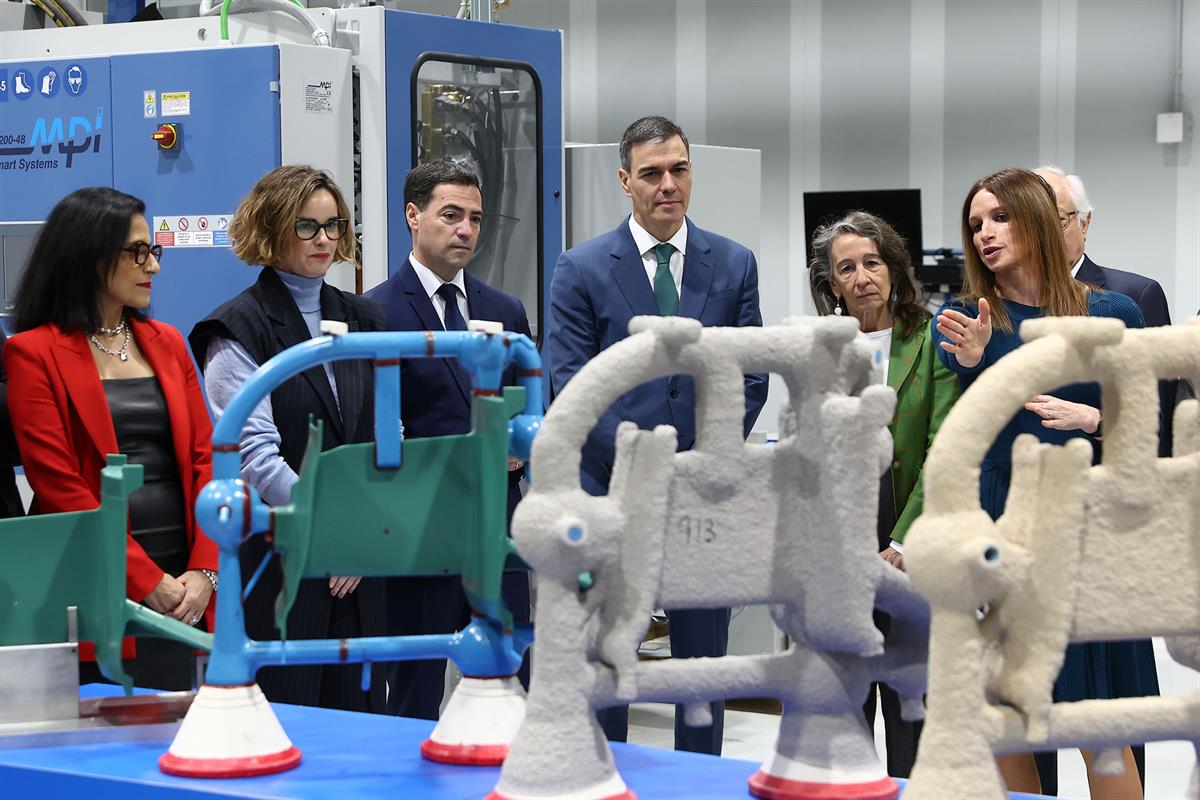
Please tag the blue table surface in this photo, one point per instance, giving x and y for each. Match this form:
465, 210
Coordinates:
346, 755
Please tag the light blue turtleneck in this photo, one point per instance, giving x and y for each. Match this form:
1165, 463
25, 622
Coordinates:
306, 292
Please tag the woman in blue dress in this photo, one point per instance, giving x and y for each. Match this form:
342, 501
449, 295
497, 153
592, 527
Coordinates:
1016, 269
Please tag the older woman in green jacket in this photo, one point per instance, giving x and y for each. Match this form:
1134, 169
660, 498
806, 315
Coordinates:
860, 267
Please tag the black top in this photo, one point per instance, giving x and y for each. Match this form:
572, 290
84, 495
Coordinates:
886, 521
143, 428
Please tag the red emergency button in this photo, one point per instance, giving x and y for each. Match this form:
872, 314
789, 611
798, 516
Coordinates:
167, 136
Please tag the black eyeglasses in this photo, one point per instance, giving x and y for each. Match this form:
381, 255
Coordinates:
307, 228
1065, 220
141, 251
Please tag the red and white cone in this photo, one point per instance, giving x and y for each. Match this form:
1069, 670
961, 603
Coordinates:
783, 778
612, 789
229, 732
479, 723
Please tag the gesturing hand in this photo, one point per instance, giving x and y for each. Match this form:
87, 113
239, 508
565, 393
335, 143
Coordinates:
967, 337
1062, 415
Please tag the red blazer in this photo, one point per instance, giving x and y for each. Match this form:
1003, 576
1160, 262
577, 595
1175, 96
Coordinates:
65, 430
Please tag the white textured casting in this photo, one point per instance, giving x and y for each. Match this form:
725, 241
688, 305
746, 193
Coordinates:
1082, 553
726, 524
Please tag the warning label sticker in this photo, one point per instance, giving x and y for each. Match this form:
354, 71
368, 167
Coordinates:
176, 104
192, 230
149, 104
318, 96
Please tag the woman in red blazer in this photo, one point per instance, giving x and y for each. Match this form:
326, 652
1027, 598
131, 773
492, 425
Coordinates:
90, 374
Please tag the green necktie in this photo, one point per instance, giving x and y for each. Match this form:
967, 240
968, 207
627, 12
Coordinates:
664, 284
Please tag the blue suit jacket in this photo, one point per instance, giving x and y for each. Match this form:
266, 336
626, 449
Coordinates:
1149, 296
435, 393
598, 286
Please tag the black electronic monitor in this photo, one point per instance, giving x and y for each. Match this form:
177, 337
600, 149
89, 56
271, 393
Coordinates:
901, 208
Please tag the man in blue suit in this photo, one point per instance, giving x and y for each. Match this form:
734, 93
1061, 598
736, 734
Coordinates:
655, 262
431, 292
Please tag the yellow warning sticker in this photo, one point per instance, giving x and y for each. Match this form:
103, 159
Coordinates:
176, 104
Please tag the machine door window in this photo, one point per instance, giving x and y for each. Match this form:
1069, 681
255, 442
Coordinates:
486, 115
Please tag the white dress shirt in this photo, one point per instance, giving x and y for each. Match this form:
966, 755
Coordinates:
646, 243
431, 283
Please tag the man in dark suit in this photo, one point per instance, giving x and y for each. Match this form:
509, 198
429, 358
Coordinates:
655, 262
431, 292
1075, 213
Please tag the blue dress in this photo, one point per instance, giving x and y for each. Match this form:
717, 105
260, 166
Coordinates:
1093, 670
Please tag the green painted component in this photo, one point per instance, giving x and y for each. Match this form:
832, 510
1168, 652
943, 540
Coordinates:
514, 401
443, 512
585, 581
144, 622
54, 561
71, 559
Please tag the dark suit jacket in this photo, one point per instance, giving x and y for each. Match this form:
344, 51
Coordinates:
435, 393
10, 456
598, 286
65, 429
1150, 298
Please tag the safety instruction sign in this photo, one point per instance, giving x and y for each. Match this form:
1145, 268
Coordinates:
149, 103
55, 131
49, 79
176, 104
192, 230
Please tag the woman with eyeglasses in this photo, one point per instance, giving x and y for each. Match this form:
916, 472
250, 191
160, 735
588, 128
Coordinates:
860, 267
89, 373
1016, 269
295, 224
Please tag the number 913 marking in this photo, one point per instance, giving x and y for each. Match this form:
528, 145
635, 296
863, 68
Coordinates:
697, 530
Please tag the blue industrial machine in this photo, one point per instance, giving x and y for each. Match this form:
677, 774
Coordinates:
223, 128
192, 124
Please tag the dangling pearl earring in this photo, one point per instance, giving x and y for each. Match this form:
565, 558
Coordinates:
838, 308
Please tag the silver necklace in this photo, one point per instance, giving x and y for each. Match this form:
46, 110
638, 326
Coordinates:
123, 353
115, 330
